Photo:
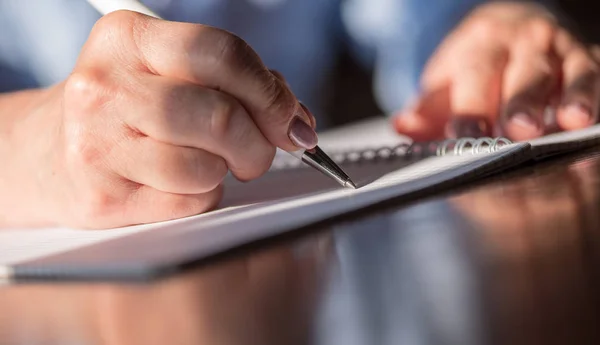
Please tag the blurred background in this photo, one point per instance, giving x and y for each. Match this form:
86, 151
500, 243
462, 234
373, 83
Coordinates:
345, 59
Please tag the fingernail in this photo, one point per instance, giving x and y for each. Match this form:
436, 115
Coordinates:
525, 121
302, 135
313, 120
468, 127
578, 113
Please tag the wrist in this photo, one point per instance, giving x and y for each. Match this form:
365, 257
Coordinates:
27, 121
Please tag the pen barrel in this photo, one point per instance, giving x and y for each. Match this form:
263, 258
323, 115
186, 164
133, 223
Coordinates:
108, 6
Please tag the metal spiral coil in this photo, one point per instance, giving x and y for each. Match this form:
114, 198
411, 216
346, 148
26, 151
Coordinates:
407, 151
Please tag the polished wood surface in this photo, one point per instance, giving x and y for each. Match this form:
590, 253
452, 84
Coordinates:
513, 260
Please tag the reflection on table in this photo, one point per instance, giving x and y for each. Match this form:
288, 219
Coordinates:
267, 297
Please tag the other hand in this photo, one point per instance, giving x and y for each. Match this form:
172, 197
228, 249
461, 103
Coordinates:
508, 69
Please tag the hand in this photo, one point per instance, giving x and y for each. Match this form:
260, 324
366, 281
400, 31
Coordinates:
499, 73
153, 117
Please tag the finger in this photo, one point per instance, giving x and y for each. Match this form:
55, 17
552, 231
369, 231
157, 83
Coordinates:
279, 76
219, 60
476, 92
530, 81
184, 114
167, 168
595, 52
565, 43
313, 120
426, 118
581, 91
149, 205
437, 72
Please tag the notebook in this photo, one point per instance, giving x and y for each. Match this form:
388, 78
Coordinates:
289, 197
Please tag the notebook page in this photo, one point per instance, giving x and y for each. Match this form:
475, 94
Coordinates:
21, 244
369, 133
212, 232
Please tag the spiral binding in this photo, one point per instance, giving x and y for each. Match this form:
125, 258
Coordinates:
407, 151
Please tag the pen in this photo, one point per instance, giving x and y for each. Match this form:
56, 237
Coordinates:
315, 157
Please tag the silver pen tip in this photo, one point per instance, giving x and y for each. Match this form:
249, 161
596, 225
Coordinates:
349, 184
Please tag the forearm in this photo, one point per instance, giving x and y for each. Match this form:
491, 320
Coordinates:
22, 127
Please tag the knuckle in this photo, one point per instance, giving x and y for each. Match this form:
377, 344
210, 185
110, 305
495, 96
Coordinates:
222, 118
229, 122
83, 154
114, 22
81, 148
120, 33
84, 91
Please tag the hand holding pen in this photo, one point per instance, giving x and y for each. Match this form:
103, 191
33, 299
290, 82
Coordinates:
278, 96
153, 117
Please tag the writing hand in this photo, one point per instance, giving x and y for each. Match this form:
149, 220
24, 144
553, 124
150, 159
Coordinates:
153, 117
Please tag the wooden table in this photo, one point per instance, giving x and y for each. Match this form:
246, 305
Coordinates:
512, 260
